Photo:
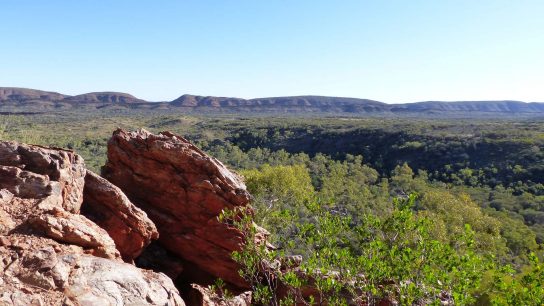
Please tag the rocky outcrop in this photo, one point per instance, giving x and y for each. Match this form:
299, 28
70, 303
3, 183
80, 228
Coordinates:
183, 191
108, 207
70, 237
25, 94
42, 191
38, 172
52, 255
40, 271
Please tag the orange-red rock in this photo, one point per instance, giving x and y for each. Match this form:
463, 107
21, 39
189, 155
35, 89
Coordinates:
50, 254
42, 191
107, 206
62, 169
39, 271
77, 230
183, 191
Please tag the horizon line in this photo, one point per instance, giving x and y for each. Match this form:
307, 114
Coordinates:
268, 97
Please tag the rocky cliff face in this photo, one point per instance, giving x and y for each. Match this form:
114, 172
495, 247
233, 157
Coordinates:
70, 237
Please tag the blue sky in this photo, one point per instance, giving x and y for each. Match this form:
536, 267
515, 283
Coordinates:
391, 51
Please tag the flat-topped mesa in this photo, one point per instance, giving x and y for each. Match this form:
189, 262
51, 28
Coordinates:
183, 191
104, 97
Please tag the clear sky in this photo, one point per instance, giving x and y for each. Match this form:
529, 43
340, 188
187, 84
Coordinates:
391, 51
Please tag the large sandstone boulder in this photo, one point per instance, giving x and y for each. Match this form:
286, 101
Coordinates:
52, 255
108, 207
183, 191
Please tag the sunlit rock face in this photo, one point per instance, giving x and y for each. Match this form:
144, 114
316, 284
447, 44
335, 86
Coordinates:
183, 191
52, 255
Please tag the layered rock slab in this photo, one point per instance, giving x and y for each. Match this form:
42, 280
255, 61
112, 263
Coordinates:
107, 206
183, 191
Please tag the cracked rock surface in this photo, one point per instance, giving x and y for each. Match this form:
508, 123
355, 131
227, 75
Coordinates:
52, 255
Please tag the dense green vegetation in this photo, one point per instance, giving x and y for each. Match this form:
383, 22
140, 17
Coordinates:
434, 209
438, 241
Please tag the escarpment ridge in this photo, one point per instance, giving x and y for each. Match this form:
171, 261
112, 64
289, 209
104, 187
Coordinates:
23, 100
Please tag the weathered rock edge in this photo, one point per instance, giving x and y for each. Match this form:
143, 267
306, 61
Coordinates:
107, 206
52, 255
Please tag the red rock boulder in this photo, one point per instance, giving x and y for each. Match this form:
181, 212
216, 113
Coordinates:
50, 254
41, 192
183, 190
107, 206
63, 170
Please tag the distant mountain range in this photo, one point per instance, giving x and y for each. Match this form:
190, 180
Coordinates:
22, 99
